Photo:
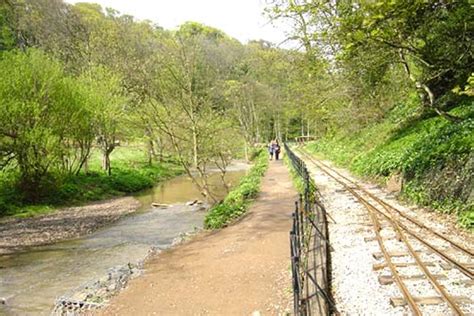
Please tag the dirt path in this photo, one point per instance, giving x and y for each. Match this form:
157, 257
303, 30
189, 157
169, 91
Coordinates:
235, 271
67, 223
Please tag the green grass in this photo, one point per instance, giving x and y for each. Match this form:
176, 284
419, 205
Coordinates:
130, 173
435, 157
237, 201
295, 177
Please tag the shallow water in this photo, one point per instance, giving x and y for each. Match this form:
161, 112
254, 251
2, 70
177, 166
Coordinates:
32, 280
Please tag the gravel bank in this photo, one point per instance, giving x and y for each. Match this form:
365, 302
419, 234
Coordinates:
67, 223
356, 288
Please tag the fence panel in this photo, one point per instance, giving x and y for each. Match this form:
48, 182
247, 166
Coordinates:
310, 248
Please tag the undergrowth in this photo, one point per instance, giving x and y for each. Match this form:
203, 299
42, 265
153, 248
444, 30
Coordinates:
237, 201
434, 157
131, 173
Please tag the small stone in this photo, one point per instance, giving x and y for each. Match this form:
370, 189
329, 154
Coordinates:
3, 301
191, 203
158, 205
199, 208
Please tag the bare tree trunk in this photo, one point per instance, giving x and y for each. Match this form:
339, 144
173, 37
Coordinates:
195, 148
106, 162
160, 149
151, 152
425, 91
302, 125
150, 146
86, 165
106, 151
83, 163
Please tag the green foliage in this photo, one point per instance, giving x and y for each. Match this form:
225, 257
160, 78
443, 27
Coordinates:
76, 81
7, 37
236, 202
37, 100
433, 155
132, 174
85, 77
297, 180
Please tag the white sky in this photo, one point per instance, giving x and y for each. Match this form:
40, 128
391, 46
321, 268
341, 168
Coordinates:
241, 19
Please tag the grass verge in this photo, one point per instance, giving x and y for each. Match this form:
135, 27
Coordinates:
237, 201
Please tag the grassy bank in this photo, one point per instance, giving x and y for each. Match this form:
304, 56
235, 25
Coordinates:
130, 173
237, 201
434, 157
295, 177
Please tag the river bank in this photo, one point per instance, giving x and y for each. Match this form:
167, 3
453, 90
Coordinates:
71, 222
34, 279
17, 234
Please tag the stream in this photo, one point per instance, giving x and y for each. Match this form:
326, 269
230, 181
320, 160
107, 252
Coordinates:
32, 280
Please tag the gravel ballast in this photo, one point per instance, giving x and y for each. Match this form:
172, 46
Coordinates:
355, 284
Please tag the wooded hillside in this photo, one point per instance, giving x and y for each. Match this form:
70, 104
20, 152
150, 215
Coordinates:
386, 87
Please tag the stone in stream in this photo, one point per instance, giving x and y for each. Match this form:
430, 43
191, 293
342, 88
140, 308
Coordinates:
158, 205
3, 301
95, 293
191, 203
198, 208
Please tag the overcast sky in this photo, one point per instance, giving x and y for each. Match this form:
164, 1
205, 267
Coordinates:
241, 19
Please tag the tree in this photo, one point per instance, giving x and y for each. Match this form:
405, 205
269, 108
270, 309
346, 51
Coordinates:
7, 34
37, 100
108, 106
432, 41
184, 105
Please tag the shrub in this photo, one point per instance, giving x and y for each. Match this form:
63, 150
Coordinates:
236, 202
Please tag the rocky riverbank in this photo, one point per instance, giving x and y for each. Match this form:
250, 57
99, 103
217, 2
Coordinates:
17, 234
95, 294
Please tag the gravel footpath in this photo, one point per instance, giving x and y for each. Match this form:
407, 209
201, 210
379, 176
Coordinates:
242, 269
16, 234
356, 288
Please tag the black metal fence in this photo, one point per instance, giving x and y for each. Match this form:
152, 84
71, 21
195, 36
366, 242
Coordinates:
310, 249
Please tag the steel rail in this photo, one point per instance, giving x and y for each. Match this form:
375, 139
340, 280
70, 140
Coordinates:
373, 211
408, 217
465, 270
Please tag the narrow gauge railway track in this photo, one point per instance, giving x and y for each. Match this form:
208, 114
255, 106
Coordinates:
379, 209
389, 208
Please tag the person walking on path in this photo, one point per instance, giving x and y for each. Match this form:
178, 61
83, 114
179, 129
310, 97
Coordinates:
271, 150
274, 147
277, 150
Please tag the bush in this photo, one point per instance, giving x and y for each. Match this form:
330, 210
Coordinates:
236, 202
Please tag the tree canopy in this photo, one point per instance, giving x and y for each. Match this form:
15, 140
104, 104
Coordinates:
80, 77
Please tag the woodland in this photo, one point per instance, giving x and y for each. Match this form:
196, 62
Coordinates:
95, 103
